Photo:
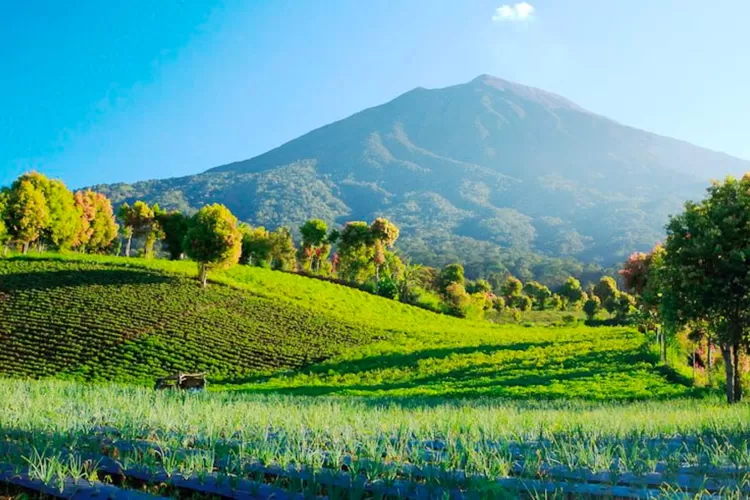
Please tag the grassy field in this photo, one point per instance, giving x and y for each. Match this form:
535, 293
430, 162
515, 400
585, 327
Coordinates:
380, 447
262, 331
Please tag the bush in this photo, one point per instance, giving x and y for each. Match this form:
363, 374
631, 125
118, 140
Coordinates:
569, 320
387, 288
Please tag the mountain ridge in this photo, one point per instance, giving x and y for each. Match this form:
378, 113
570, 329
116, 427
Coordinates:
489, 164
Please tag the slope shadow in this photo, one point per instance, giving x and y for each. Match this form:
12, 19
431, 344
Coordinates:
50, 280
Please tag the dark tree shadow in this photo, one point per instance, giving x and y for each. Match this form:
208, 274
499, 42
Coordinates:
54, 279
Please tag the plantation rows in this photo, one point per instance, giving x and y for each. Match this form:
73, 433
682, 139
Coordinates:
96, 322
233, 474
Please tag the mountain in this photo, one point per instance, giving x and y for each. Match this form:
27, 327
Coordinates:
490, 172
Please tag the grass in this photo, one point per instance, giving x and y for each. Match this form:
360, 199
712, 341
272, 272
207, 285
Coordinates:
130, 319
256, 330
380, 438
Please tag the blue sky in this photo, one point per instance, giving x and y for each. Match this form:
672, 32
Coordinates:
96, 91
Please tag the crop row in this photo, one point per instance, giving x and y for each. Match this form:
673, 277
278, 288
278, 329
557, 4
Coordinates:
62, 320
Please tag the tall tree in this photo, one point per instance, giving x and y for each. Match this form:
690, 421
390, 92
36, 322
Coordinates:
213, 240
572, 291
314, 238
707, 271
4, 233
256, 246
383, 235
98, 227
355, 252
539, 293
511, 288
27, 213
283, 251
64, 219
174, 226
450, 275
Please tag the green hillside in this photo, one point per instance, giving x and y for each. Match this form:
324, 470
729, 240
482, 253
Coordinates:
108, 318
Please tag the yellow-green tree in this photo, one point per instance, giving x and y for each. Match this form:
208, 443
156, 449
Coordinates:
213, 240
27, 214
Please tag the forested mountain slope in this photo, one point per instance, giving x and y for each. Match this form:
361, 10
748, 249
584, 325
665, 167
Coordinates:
491, 173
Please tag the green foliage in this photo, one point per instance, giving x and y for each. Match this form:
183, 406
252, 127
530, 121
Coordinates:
27, 213
479, 286
511, 288
387, 288
592, 306
556, 302
538, 293
707, 270
283, 252
521, 302
572, 291
213, 239
606, 290
174, 226
256, 246
450, 275
98, 229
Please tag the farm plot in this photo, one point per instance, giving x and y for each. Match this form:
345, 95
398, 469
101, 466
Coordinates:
233, 445
102, 322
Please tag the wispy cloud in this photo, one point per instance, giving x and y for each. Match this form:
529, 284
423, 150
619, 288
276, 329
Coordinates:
518, 12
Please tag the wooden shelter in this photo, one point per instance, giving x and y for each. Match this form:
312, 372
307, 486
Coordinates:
185, 381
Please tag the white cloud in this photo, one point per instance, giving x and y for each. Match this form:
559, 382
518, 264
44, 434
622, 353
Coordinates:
518, 12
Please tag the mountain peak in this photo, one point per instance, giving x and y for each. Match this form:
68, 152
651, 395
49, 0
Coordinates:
548, 99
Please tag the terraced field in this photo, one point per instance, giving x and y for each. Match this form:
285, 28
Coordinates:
106, 322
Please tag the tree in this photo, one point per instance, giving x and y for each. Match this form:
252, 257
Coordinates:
314, 240
213, 240
591, 307
707, 271
450, 275
256, 246
624, 306
408, 283
174, 226
4, 233
140, 221
572, 291
355, 253
64, 219
556, 302
521, 302
479, 286
606, 289
383, 235
27, 214
98, 228
457, 301
538, 293
511, 288
282, 249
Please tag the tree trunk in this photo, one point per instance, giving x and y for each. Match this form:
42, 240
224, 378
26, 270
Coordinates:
737, 355
127, 246
203, 271
708, 361
25, 247
693, 364
726, 352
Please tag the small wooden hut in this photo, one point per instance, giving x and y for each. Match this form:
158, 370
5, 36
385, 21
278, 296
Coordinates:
185, 381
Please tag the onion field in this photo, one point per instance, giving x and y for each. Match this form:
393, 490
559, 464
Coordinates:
231, 445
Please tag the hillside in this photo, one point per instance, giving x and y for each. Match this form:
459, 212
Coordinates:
108, 318
491, 173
